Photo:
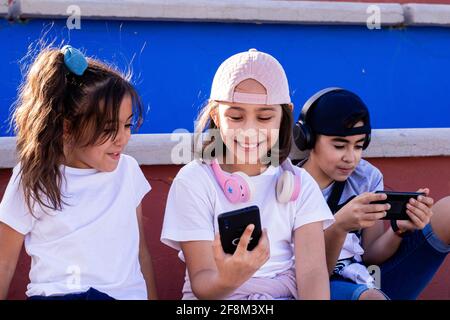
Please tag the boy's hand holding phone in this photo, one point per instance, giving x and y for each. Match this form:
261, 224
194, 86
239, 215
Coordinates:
360, 213
419, 212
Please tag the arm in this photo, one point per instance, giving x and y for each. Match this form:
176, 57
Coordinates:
215, 274
11, 243
334, 240
145, 259
202, 271
310, 262
359, 213
379, 245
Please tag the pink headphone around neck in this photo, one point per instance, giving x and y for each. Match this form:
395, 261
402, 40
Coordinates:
238, 188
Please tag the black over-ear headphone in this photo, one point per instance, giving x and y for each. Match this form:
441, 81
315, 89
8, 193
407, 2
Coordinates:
304, 136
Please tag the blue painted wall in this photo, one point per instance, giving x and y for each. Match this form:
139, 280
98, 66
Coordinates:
402, 74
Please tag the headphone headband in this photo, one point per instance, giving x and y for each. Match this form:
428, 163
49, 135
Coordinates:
313, 99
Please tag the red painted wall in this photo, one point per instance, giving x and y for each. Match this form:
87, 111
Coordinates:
406, 174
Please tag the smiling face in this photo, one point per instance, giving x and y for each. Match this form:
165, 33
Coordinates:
335, 158
248, 131
105, 156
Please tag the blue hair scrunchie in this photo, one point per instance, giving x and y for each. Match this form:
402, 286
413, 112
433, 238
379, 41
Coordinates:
74, 60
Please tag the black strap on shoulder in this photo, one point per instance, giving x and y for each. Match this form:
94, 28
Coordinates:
334, 198
335, 195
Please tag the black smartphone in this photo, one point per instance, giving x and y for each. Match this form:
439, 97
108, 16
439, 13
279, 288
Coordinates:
398, 201
232, 225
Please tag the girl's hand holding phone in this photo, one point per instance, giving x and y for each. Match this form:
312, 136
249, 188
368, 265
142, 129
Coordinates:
234, 270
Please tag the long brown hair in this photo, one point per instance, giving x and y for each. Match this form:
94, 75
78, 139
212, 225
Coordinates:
56, 107
205, 122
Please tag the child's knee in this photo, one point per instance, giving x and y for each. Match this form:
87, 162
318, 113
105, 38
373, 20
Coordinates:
372, 294
440, 221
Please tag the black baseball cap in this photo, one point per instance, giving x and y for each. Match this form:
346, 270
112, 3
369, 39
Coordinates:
336, 112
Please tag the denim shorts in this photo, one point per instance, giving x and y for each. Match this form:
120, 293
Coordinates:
406, 273
91, 294
344, 289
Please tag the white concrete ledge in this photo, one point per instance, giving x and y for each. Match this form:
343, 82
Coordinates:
427, 14
409, 143
7, 152
249, 11
308, 12
3, 8
166, 149
395, 143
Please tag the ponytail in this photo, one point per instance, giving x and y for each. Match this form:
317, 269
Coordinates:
39, 129
57, 107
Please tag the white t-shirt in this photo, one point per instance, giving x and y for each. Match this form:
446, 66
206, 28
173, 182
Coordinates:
195, 200
93, 241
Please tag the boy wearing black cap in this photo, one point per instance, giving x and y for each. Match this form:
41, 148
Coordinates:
335, 126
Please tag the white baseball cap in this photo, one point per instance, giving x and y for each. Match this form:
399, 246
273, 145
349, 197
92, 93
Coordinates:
256, 65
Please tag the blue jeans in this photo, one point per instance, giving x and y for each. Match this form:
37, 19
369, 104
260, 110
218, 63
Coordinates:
406, 273
91, 294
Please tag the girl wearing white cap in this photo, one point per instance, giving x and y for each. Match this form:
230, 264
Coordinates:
244, 162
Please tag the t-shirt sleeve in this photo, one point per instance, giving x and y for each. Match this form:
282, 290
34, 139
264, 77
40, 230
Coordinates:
189, 214
311, 206
377, 182
141, 184
13, 210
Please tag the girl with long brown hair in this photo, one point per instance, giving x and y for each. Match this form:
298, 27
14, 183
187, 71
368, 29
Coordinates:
74, 199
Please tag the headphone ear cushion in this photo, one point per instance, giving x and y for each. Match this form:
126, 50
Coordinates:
311, 140
297, 187
246, 187
285, 187
232, 189
302, 135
